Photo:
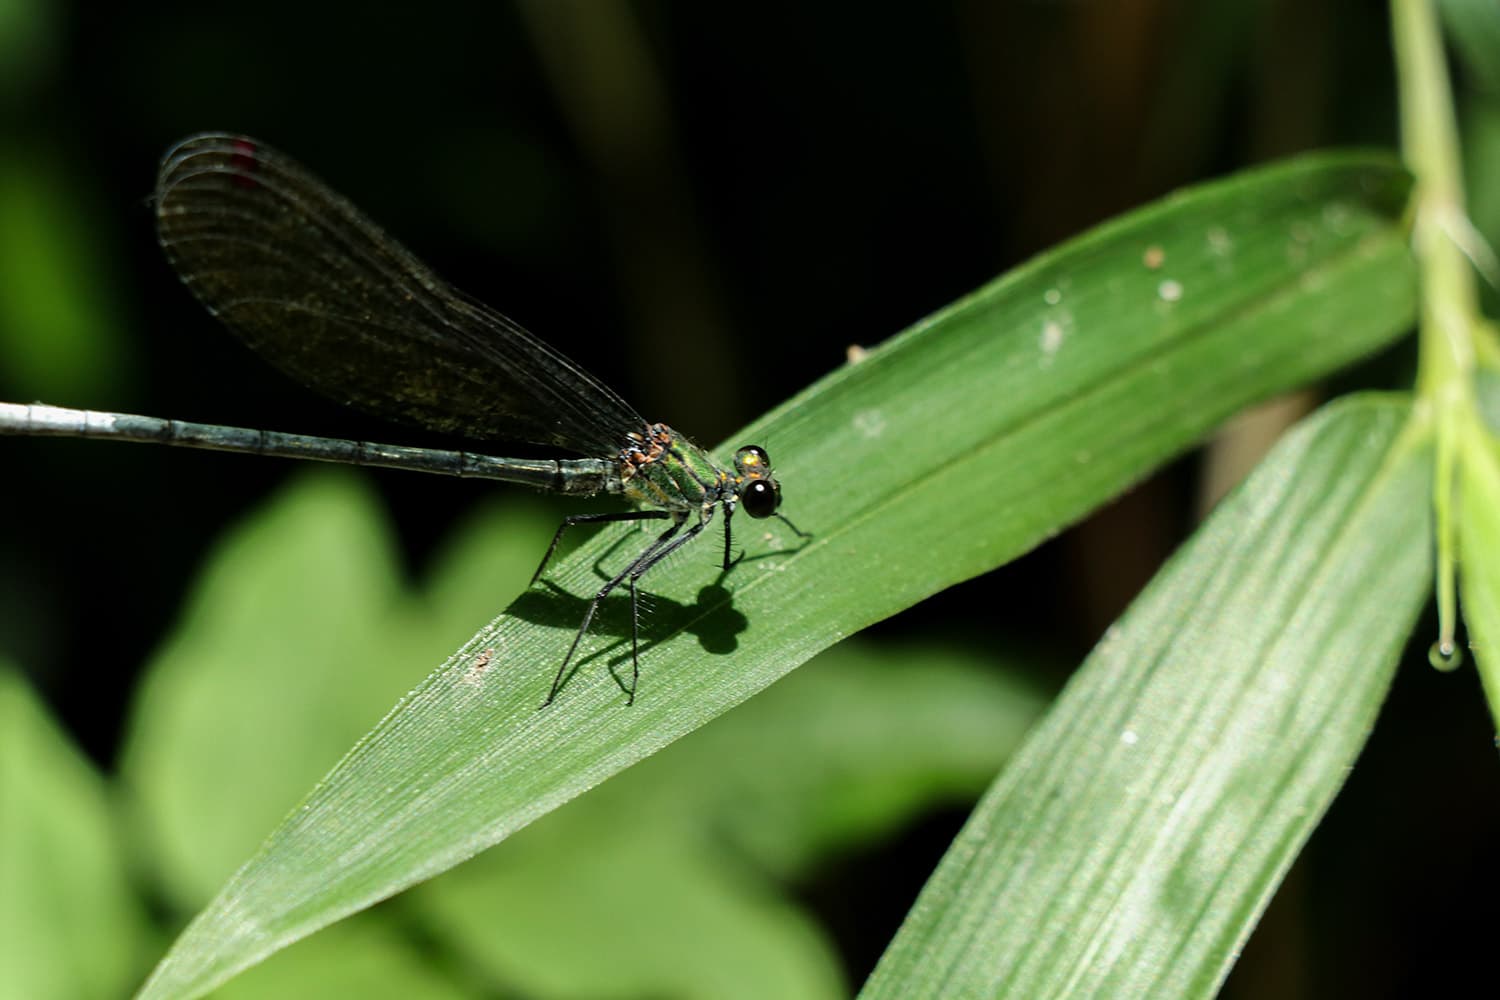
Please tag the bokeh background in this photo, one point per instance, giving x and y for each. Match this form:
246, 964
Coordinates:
706, 206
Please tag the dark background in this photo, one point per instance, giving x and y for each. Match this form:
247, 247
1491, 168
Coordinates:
705, 205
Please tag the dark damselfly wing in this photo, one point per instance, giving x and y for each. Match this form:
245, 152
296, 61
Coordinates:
315, 288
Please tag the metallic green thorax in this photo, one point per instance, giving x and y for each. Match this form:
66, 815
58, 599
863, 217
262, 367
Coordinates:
663, 470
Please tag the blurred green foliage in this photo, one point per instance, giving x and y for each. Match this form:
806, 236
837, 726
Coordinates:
58, 331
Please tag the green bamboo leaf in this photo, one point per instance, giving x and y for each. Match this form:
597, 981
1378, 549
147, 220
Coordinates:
947, 451
1131, 845
66, 892
1479, 550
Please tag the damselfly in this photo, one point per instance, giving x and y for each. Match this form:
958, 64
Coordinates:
314, 287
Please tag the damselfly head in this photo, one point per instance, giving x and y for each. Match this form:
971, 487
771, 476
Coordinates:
756, 487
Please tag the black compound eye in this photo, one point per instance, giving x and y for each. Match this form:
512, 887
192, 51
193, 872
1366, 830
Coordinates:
760, 498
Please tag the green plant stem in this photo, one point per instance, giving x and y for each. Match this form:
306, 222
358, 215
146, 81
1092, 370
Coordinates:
1449, 309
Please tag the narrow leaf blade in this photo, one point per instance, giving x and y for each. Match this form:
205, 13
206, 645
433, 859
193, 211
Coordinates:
1129, 848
